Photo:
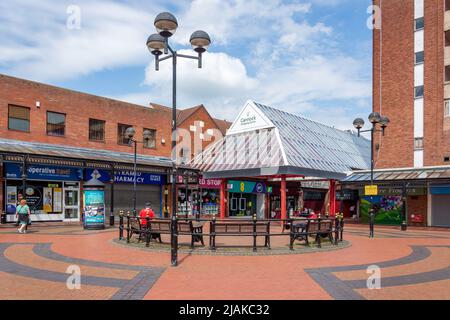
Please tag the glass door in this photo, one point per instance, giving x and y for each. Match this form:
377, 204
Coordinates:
71, 203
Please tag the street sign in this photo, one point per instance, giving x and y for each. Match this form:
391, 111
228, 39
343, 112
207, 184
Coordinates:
371, 190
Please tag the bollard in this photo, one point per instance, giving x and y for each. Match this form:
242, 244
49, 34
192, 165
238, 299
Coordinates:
254, 233
174, 240
292, 235
212, 234
336, 229
128, 227
121, 225
319, 235
341, 227
147, 232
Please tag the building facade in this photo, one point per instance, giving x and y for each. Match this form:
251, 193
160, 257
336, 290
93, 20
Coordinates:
63, 138
411, 86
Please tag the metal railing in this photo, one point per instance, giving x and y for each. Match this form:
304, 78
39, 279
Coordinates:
173, 228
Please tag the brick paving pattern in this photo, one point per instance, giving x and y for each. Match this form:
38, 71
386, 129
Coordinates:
414, 265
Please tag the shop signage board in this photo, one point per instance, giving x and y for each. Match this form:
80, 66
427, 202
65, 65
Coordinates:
386, 191
315, 184
250, 118
125, 176
43, 172
94, 208
371, 190
209, 183
246, 187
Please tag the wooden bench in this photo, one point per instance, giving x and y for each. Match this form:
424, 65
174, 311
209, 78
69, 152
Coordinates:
190, 228
316, 228
242, 228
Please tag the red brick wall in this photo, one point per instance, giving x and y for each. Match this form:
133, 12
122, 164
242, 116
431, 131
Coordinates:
434, 84
417, 205
79, 107
396, 148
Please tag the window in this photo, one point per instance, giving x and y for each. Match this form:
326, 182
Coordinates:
96, 130
447, 5
419, 57
418, 143
56, 123
447, 73
418, 92
18, 118
419, 24
150, 143
447, 108
121, 128
447, 38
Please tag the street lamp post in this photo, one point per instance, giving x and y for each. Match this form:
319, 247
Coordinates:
374, 118
129, 134
166, 25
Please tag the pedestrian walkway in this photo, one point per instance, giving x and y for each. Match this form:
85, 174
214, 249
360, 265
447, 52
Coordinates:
414, 265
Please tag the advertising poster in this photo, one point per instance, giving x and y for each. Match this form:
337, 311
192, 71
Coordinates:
94, 207
57, 200
48, 200
388, 209
11, 199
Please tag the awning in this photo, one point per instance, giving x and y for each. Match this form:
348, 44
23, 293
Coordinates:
14, 147
399, 175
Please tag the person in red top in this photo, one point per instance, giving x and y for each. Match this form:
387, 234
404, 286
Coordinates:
146, 212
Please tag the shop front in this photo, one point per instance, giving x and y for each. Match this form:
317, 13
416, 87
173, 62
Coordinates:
198, 195
247, 198
440, 205
52, 192
148, 188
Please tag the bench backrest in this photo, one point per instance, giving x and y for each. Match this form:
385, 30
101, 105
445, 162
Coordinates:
185, 227
244, 227
135, 223
159, 225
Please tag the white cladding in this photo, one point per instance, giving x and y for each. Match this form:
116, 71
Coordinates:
418, 41
418, 75
418, 118
418, 9
418, 159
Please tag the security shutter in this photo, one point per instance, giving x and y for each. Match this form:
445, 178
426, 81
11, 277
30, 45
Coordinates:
123, 197
440, 211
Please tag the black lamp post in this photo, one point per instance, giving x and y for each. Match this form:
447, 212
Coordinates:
166, 24
374, 118
129, 134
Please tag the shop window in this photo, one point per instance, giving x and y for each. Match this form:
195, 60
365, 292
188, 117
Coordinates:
56, 123
419, 57
151, 143
418, 92
419, 24
121, 139
96, 130
18, 118
418, 144
447, 108
447, 38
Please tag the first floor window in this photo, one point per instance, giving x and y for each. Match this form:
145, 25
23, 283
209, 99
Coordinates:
419, 57
447, 108
121, 128
18, 118
56, 123
418, 92
151, 142
418, 143
96, 130
419, 24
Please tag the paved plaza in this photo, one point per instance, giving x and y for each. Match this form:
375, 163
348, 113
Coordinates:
414, 265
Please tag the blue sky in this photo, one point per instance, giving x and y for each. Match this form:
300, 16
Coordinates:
309, 57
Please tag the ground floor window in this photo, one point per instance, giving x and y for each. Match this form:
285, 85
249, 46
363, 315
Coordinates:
242, 204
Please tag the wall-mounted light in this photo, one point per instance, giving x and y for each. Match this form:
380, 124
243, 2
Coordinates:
163, 141
38, 104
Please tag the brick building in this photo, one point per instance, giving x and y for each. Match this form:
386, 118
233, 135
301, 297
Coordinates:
411, 86
65, 137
